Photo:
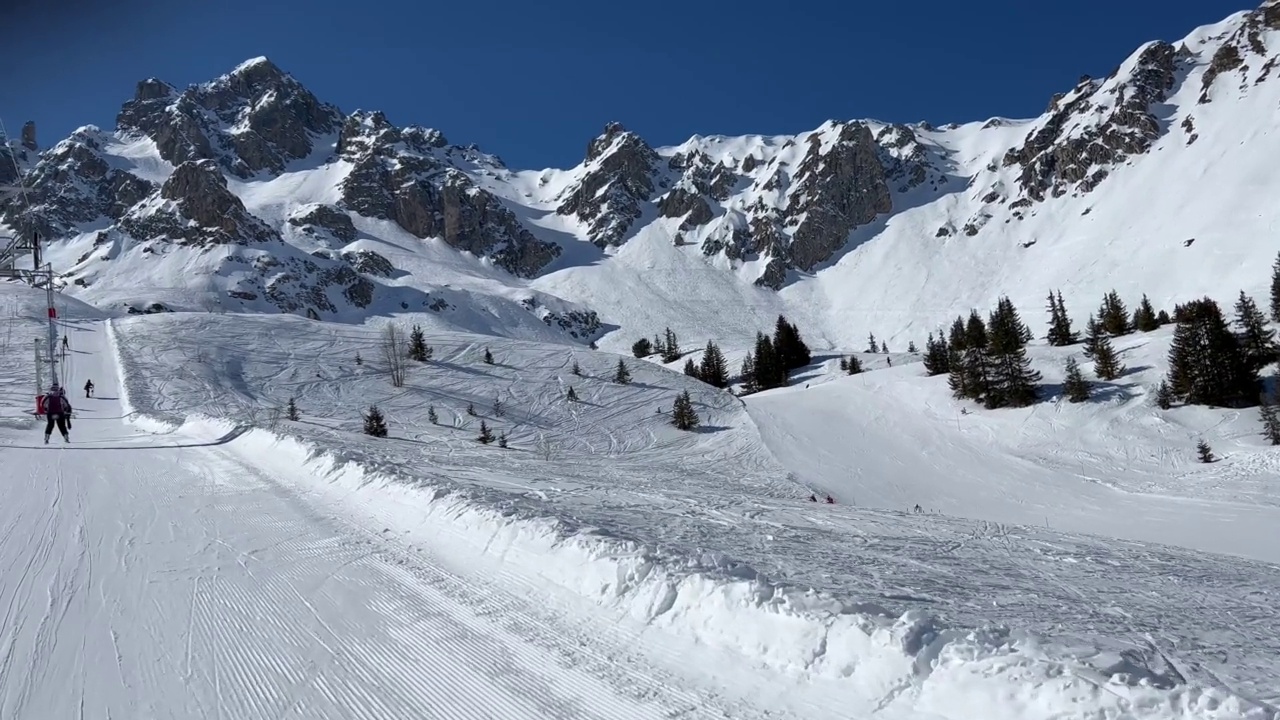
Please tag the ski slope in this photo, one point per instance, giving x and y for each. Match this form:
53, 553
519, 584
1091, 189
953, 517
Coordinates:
166, 575
706, 541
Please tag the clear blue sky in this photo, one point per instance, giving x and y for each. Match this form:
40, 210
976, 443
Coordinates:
534, 82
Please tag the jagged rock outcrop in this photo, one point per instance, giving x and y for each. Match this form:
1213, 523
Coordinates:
325, 217
195, 208
399, 174
835, 189
256, 118
29, 136
618, 179
73, 185
1095, 126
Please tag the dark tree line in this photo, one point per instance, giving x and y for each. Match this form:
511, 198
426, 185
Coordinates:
987, 361
773, 358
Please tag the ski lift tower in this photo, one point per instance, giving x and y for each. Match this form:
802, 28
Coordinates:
39, 276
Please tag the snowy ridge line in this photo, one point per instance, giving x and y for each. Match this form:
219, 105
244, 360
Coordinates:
908, 662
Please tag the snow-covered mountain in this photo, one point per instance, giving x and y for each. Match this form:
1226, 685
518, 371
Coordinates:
249, 193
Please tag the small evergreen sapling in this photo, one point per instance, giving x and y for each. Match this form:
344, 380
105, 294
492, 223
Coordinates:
1075, 386
498, 409
670, 347
911, 347
374, 424
576, 369
291, 411
488, 357
622, 376
642, 348
1204, 452
432, 417
872, 345
359, 360
690, 369
1164, 395
884, 347
1270, 419
571, 396
486, 435
683, 415
502, 439
471, 409
418, 348
853, 366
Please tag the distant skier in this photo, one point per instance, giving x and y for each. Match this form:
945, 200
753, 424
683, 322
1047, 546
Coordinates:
88, 389
831, 500
57, 408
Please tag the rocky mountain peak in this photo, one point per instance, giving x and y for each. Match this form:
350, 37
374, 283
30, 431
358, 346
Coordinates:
254, 119
617, 177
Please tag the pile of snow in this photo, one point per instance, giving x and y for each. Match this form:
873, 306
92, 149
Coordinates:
706, 536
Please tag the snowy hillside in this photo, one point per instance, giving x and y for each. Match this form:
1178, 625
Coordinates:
708, 508
249, 193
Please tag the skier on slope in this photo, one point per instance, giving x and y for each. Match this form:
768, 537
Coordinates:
88, 389
57, 408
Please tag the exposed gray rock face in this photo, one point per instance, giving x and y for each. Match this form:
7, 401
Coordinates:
254, 119
73, 185
835, 191
581, 324
195, 208
328, 218
618, 179
369, 262
400, 174
1074, 146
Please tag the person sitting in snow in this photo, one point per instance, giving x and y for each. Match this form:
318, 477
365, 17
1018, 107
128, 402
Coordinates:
831, 500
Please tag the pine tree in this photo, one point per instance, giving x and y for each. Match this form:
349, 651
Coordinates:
432, 417
690, 369
374, 423
1164, 396
790, 348
498, 409
1075, 386
1256, 339
622, 376
576, 369
683, 415
748, 375
291, 410
1207, 365
571, 396
1204, 452
1270, 418
769, 370
1275, 291
1093, 336
642, 348
1144, 317
471, 409
670, 347
911, 347
1163, 318
1012, 381
884, 347
854, 366
844, 365
1060, 333
488, 357
714, 369
418, 348
936, 356
872, 345
502, 439
359, 360
974, 361
1106, 363
486, 435
1113, 315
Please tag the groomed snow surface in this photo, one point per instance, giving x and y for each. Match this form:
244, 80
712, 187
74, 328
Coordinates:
192, 554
